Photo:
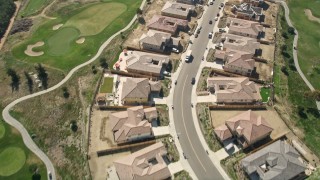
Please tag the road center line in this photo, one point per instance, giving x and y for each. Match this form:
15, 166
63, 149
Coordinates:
185, 128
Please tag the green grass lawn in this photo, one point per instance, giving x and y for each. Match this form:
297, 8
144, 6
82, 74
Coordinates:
12, 159
65, 59
2, 130
92, 21
16, 161
107, 85
59, 43
309, 38
33, 6
265, 93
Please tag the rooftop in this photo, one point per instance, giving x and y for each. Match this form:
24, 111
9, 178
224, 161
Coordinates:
155, 37
166, 23
177, 8
236, 58
241, 43
244, 26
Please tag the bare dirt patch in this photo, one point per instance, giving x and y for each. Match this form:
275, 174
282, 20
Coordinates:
270, 11
267, 52
80, 40
264, 70
308, 12
56, 27
271, 116
30, 52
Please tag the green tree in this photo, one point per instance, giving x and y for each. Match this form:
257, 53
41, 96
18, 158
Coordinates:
7, 9
29, 82
15, 79
103, 63
139, 11
43, 75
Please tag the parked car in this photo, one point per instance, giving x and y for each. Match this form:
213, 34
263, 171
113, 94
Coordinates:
175, 50
222, 4
210, 22
218, 14
196, 35
50, 175
210, 35
211, 2
166, 73
193, 81
216, 18
222, 30
198, 31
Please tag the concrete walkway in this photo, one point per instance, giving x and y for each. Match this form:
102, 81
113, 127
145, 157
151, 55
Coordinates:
160, 130
24, 133
175, 167
295, 44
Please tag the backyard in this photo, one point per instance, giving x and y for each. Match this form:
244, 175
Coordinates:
107, 85
265, 94
61, 48
306, 20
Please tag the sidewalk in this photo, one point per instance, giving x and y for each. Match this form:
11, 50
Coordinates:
175, 167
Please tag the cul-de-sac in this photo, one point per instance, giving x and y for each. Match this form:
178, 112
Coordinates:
160, 89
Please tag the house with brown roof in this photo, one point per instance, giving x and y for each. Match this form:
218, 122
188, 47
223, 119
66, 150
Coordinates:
177, 10
146, 63
138, 90
133, 124
238, 62
247, 11
254, 2
158, 41
234, 90
245, 28
145, 164
247, 127
167, 24
278, 160
240, 43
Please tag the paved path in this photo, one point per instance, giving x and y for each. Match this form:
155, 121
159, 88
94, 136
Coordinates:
295, 44
24, 133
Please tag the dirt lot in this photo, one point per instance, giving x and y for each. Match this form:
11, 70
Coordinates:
271, 116
269, 35
267, 52
270, 11
264, 70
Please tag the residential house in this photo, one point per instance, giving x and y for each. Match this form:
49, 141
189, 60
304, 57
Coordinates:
247, 127
240, 43
146, 63
177, 10
186, 1
276, 161
238, 62
236, 90
247, 11
245, 28
133, 124
147, 163
254, 2
158, 41
138, 90
167, 24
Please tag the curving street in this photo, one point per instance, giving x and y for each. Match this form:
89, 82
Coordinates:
24, 133
184, 123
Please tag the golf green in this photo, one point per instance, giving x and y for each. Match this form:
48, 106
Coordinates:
12, 159
2, 130
60, 42
94, 19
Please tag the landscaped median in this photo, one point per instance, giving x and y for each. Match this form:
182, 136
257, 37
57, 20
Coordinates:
86, 22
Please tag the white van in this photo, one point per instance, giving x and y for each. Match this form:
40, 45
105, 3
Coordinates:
211, 2
188, 56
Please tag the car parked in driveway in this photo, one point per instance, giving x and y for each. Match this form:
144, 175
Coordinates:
196, 35
210, 35
175, 50
222, 30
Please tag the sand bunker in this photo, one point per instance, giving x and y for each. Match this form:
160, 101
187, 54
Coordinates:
30, 52
56, 27
81, 40
308, 12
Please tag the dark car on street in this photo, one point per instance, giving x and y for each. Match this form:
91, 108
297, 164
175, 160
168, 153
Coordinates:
193, 80
210, 22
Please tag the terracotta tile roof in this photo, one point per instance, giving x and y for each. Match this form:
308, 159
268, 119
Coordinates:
155, 86
278, 160
223, 132
241, 43
248, 9
249, 125
155, 38
239, 59
133, 122
146, 62
177, 8
147, 163
244, 26
136, 88
167, 24
234, 89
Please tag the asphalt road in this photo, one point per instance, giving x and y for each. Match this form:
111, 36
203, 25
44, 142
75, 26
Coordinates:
24, 133
190, 142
